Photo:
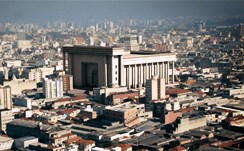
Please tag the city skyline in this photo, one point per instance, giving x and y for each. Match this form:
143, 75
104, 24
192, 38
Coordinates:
113, 75
83, 11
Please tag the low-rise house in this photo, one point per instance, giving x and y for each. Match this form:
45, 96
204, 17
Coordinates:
83, 144
6, 143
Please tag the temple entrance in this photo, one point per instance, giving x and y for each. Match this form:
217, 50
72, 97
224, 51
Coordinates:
89, 72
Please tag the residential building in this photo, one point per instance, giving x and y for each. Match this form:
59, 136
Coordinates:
241, 28
186, 123
6, 143
118, 98
67, 82
39, 73
23, 101
131, 43
155, 88
127, 113
102, 94
6, 116
24, 142
6, 97
53, 87
237, 92
46, 133
13, 63
18, 85
85, 145
23, 44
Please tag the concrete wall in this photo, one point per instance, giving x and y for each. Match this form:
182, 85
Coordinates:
77, 60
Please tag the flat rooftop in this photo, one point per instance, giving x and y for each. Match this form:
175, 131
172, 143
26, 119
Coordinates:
143, 55
235, 106
123, 107
89, 50
93, 50
30, 124
5, 139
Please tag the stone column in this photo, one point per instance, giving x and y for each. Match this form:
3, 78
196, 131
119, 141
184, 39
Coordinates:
152, 71
157, 69
160, 70
147, 69
167, 72
141, 74
64, 62
144, 73
163, 69
127, 76
136, 76
124, 77
173, 74
130, 76
70, 64
105, 71
121, 71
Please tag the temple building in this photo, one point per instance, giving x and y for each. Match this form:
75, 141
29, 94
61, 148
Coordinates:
106, 66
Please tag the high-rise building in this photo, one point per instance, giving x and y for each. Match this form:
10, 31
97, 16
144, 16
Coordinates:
6, 116
111, 25
120, 31
155, 88
21, 35
139, 39
131, 43
53, 87
23, 44
6, 97
39, 73
241, 27
200, 27
97, 27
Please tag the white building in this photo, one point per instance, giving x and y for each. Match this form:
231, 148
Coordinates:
237, 92
103, 66
99, 149
101, 93
5, 117
6, 97
155, 88
131, 43
23, 101
6, 143
185, 124
13, 63
24, 44
24, 142
39, 73
18, 85
53, 88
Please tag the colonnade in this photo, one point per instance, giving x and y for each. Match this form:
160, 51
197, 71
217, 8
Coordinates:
137, 74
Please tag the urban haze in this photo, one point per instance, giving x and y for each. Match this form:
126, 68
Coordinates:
122, 75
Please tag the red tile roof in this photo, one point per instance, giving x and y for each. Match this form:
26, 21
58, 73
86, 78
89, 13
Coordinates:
177, 91
79, 140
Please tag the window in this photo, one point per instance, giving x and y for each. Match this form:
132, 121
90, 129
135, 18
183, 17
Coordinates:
115, 66
94, 78
115, 72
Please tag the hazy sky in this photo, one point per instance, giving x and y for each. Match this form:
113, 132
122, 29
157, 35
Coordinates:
41, 11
